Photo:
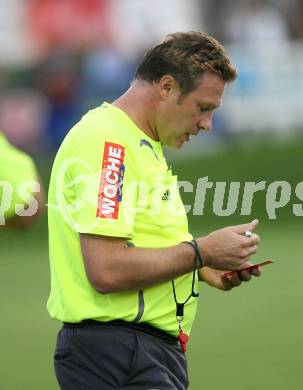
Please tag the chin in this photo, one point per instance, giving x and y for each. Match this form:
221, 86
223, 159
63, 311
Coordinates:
175, 145
179, 146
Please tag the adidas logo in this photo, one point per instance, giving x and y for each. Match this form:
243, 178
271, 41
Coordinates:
166, 195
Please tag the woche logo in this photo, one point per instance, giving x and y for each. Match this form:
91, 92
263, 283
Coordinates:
110, 191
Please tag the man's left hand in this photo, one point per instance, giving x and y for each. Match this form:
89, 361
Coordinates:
216, 278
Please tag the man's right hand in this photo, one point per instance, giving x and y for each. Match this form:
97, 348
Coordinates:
229, 248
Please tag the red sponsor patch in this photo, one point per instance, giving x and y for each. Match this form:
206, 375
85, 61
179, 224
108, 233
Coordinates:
109, 195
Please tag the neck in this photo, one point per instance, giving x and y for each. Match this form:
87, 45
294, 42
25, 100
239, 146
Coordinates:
139, 103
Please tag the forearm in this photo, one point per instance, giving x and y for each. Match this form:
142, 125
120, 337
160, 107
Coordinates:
111, 266
128, 268
140, 267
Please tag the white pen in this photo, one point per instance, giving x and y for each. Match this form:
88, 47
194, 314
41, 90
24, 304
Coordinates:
248, 233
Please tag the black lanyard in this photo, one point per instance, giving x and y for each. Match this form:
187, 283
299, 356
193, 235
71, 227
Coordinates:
198, 264
180, 305
183, 337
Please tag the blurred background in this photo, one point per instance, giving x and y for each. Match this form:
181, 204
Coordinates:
59, 58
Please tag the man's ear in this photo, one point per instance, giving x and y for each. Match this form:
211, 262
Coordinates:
166, 86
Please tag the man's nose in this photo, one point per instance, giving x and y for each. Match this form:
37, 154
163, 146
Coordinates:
205, 123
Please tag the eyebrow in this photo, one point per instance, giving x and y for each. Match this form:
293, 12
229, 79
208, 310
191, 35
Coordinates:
210, 106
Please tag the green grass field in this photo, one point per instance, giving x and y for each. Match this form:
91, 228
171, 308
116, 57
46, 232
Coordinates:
250, 338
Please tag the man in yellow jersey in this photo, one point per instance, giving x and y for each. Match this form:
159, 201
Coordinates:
124, 268
21, 195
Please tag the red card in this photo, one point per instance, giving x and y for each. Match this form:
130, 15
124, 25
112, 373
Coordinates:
250, 268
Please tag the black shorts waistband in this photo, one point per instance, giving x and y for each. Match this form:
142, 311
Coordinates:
141, 327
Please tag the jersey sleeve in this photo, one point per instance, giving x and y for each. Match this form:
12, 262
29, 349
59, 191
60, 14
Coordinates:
99, 187
17, 177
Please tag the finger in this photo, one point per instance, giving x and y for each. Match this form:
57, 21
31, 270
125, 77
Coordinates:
253, 240
234, 279
252, 250
244, 275
254, 224
256, 271
241, 229
226, 284
242, 262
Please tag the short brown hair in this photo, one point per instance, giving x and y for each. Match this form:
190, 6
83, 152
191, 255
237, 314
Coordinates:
186, 56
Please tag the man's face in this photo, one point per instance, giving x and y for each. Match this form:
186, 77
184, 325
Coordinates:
183, 116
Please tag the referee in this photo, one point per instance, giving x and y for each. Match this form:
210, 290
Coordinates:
21, 194
124, 268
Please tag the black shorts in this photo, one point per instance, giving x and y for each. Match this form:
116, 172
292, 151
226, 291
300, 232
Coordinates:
106, 357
